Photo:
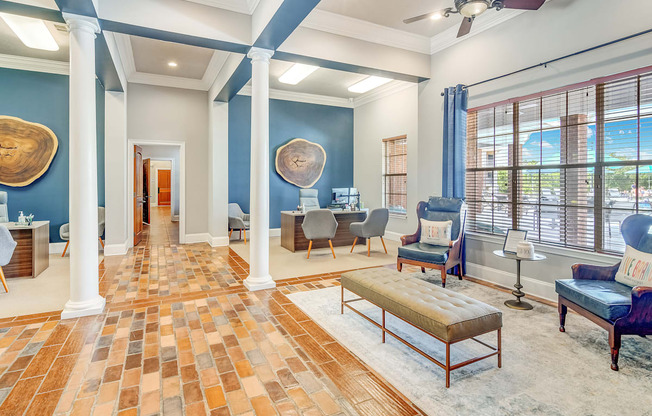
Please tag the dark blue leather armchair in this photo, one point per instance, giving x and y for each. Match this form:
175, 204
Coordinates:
442, 258
594, 294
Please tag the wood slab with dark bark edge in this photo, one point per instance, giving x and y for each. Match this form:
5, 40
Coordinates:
26, 151
300, 162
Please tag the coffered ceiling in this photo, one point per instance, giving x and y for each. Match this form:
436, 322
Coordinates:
11, 45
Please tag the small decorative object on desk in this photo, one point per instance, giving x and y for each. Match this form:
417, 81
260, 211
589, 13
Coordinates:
525, 250
513, 238
30, 219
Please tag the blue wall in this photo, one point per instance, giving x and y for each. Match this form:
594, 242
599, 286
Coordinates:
331, 127
43, 98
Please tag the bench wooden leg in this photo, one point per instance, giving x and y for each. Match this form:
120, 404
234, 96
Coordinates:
500, 354
342, 302
383, 326
448, 365
563, 310
354, 243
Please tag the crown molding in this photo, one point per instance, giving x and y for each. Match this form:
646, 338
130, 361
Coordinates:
391, 88
238, 6
302, 97
486, 21
34, 64
360, 29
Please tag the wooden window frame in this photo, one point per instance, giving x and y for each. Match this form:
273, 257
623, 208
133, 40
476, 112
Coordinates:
386, 175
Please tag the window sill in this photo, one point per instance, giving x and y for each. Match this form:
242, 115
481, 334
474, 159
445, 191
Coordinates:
398, 216
580, 255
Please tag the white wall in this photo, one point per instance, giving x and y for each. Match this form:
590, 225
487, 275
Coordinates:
560, 27
390, 116
160, 114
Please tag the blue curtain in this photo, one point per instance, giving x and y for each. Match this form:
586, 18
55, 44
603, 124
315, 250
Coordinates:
454, 154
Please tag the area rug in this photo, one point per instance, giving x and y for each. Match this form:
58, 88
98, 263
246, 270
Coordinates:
545, 372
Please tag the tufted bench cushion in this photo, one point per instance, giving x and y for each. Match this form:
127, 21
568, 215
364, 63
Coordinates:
448, 315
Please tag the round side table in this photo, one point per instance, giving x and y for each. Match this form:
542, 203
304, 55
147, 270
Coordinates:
518, 304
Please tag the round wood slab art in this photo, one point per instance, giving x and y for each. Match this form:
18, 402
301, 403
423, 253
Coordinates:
300, 162
26, 151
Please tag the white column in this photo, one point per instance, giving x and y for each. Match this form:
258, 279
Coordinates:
84, 275
259, 277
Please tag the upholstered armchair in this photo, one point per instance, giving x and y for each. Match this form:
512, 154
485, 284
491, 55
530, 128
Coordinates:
319, 224
64, 230
442, 258
7, 247
309, 199
4, 210
594, 293
373, 226
238, 220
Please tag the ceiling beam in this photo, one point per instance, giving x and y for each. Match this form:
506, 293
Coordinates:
31, 11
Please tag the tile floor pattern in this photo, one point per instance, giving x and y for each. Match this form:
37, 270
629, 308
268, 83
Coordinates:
181, 336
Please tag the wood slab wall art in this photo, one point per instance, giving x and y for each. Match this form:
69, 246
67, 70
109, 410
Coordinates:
26, 151
300, 162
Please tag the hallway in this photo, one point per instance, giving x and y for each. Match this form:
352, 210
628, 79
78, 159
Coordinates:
180, 335
161, 230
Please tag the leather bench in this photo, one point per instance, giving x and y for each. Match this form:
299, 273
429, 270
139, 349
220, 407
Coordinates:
448, 316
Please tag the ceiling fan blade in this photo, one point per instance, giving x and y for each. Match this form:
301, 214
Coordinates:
465, 27
523, 4
417, 18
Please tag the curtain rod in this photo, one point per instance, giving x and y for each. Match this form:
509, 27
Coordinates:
545, 64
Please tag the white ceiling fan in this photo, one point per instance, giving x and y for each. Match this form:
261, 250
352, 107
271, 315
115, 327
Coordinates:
470, 9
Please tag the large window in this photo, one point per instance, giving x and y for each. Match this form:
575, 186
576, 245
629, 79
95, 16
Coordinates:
567, 166
395, 175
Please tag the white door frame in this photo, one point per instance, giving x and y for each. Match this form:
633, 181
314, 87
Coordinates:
182, 185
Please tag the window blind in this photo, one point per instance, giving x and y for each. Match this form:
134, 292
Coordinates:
567, 166
395, 174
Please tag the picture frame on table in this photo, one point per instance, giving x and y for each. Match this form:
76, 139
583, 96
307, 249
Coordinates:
512, 239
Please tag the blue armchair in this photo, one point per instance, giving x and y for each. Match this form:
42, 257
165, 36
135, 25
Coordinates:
594, 294
442, 258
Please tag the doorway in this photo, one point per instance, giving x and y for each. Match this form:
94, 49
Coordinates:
157, 186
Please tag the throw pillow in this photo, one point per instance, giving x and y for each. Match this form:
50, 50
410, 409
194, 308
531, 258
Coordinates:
437, 233
635, 268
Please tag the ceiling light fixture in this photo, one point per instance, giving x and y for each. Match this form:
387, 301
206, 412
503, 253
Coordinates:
436, 16
32, 32
473, 8
172, 64
297, 73
368, 84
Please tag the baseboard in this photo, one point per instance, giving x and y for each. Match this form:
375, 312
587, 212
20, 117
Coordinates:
197, 238
531, 286
392, 236
175, 218
116, 249
218, 241
274, 232
57, 248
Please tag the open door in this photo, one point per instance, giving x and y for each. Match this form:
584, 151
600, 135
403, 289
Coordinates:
138, 194
146, 191
164, 187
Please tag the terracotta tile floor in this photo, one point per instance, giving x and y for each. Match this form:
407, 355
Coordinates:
181, 336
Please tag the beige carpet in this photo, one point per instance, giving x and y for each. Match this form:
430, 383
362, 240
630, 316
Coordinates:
284, 264
48, 292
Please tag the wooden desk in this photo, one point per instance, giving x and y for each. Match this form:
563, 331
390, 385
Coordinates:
293, 239
32, 254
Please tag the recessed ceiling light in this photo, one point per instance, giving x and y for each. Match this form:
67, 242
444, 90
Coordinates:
369, 84
32, 32
297, 73
172, 64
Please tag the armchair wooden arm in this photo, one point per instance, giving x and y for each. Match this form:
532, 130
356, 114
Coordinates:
414, 238
639, 318
592, 272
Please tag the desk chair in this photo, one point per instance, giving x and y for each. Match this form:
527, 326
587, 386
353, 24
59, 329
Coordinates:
238, 220
7, 246
64, 230
308, 198
319, 224
4, 210
373, 226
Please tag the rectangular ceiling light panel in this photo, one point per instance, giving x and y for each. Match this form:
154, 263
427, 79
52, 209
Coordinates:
32, 32
297, 73
368, 84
